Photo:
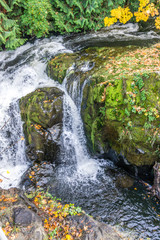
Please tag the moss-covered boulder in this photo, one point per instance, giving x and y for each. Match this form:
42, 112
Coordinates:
58, 66
42, 114
120, 106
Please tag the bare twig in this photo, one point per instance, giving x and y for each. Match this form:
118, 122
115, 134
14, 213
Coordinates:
4, 176
4, 124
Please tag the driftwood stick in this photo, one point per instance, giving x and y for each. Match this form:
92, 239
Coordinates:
4, 176
5, 124
29, 203
156, 185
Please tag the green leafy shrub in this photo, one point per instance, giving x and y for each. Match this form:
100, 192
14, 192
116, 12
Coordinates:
75, 16
10, 34
35, 20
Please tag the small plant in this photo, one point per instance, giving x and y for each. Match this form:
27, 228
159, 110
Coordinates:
143, 95
138, 81
55, 216
102, 110
127, 112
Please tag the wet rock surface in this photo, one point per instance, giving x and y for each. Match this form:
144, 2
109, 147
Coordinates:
120, 105
42, 114
22, 220
16, 219
40, 175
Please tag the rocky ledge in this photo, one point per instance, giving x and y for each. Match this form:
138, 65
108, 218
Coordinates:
120, 106
39, 216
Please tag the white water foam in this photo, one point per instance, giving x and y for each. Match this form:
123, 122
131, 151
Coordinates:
21, 72
74, 140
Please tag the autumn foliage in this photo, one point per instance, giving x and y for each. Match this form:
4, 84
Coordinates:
123, 15
55, 217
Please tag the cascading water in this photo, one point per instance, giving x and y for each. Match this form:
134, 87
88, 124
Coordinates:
73, 137
21, 72
87, 182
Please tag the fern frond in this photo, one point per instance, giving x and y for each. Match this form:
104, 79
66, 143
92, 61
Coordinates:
5, 5
8, 23
2, 39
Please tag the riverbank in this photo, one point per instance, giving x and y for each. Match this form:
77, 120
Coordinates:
39, 215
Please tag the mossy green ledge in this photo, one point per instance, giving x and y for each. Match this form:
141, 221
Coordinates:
42, 113
121, 100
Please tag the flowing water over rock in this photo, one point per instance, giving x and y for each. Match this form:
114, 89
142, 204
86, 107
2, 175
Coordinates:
90, 183
21, 72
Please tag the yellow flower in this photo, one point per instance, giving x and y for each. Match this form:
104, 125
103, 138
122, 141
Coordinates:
109, 21
157, 22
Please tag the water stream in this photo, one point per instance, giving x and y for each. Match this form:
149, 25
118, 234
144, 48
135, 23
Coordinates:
89, 183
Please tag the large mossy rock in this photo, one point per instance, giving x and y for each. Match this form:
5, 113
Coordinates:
120, 106
58, 66
42, 113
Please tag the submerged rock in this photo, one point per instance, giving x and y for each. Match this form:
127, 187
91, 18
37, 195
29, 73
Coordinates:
124, 181
42, 114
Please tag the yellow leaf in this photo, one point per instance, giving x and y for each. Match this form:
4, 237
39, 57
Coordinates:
69, 237
8, 172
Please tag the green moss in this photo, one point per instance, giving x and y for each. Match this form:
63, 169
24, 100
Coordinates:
121, 103
58, 66
39, 111
114, 94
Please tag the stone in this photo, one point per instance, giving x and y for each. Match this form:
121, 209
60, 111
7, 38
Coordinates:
94, 230
43, 176
23, 217
120, 105
124, 181
42, 113
58, 66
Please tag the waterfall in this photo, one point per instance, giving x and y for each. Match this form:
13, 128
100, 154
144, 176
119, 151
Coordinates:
74, 148
21, 72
